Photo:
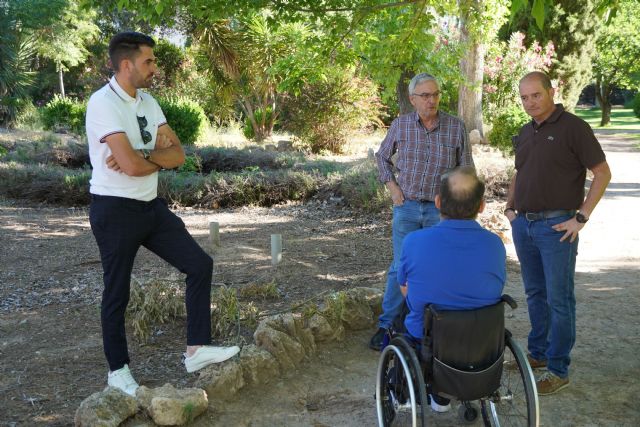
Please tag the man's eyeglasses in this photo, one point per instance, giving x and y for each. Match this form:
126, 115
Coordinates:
426, 95
146, 135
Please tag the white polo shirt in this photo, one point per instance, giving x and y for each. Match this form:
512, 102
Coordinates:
111, 110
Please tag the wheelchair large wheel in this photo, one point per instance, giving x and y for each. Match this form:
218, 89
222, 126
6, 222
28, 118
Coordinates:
515, 403
399, 387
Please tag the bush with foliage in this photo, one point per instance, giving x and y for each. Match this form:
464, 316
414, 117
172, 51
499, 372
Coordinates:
66, 113
361, 189
635, 104
261, 117
505, 126
505, 64
326, 111
186, 118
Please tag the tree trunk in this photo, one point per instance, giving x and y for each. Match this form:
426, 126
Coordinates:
61, 78
472, 69
402, 92
603, 91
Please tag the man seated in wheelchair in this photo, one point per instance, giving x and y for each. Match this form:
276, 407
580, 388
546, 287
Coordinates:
455, 265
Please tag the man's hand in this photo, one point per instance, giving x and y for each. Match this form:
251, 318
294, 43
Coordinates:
510, 214
396, 193
163, 141
404, 289
113, 164
571, 228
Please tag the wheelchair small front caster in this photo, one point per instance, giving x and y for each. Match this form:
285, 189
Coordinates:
468, 412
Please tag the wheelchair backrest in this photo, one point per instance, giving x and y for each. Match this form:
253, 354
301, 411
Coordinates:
463, 350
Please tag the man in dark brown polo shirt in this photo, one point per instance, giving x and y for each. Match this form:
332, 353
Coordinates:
547, 209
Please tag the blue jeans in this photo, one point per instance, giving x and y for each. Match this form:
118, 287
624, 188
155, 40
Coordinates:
410, 216
548, 268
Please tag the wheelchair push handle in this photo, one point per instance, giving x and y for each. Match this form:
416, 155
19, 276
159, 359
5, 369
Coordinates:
510, 301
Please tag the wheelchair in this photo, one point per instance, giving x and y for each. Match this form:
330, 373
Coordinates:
466, 355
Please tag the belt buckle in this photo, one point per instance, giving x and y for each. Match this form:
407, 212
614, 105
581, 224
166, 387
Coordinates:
532, 216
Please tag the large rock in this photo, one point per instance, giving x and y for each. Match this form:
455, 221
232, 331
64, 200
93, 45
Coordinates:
323, 331
372, 296
168, 406
221, 381
106, 408
258, 365
286, 338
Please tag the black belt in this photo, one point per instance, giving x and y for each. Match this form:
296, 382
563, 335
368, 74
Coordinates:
536, 216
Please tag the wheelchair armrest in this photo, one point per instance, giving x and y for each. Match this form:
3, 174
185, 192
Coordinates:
507, 299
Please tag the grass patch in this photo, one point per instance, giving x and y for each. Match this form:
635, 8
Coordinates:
264, 291
54, 184
228, 315
335, 306
361, 189
154, 303
621, 118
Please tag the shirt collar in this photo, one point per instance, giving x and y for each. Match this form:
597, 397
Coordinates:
458, 223
113, 84
552, 118
416, 118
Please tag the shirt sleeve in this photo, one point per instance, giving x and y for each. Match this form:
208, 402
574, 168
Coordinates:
587, 147
384, 154
162, 120
103, 119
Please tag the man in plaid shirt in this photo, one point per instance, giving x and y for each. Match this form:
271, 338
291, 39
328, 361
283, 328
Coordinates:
427, 142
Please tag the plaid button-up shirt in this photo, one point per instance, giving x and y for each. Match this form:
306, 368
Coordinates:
422, 155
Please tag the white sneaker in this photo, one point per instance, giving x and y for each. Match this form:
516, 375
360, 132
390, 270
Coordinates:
437, 407
123, 380
208, 354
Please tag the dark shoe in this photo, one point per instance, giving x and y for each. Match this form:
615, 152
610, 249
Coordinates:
549, 383
376, 341
535, 364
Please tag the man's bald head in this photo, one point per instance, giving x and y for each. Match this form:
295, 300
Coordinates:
461, 193
540, 77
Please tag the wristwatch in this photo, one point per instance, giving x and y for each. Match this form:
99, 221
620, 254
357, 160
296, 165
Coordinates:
145, 154
581, 218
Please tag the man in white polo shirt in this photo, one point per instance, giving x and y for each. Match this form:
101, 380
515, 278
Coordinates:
129, 141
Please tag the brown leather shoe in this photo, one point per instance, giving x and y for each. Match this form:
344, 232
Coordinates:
536, 364
549, 383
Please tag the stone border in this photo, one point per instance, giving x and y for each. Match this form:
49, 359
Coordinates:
282, 342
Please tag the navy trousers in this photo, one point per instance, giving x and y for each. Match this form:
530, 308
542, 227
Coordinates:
121, 226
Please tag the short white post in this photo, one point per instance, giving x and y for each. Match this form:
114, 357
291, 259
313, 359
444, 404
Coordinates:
214, 234
276, 249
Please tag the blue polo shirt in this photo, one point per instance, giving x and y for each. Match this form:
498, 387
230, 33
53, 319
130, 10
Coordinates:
455, 265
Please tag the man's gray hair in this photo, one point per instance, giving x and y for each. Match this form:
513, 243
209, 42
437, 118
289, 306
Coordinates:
419, 78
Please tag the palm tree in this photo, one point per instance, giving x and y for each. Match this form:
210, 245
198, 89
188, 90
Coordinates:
17, 51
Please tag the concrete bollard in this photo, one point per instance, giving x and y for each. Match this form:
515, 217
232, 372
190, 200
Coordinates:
214, 234
276, 249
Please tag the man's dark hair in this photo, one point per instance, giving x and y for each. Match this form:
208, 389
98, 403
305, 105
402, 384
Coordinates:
540, 76
126, 45
461, 193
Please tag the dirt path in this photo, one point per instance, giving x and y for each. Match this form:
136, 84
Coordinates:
337, 389
51, 280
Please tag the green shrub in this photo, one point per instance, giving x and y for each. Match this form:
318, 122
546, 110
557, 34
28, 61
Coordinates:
192, 163
260, 116
28, 116
66, 113
361, 189
186, 118
505, 126
327, 111
635, 104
